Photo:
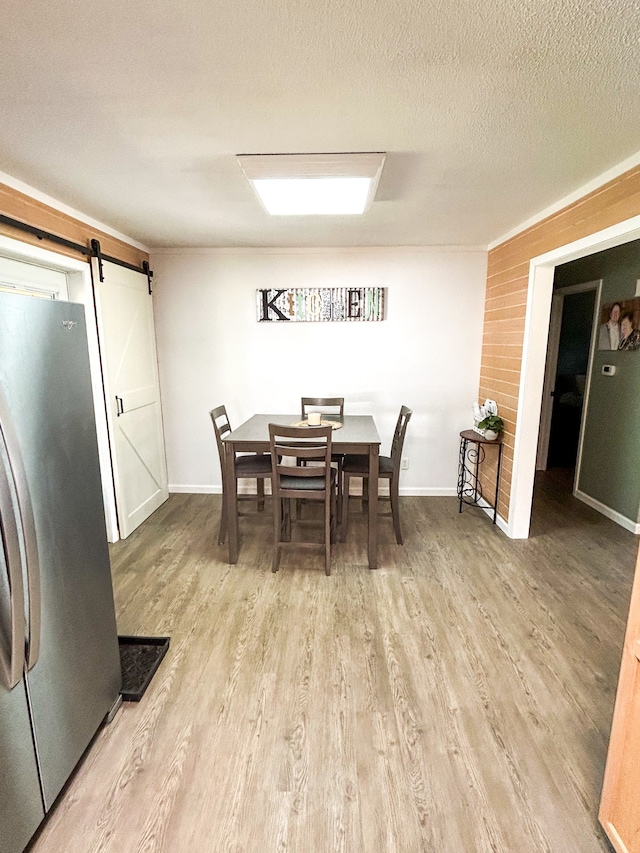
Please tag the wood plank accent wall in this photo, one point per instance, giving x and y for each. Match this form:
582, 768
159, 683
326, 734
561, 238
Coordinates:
506, 297
26, 209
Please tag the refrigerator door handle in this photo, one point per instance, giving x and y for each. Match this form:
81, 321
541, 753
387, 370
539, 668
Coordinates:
28, 528
11, 659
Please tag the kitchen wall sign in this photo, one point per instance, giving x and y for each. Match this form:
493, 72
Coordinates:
321, 304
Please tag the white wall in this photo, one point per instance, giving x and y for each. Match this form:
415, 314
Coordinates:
426, 354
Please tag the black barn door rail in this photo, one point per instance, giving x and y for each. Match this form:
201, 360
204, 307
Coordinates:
44, 235
91, 251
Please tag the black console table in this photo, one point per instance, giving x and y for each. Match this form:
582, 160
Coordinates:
472, 455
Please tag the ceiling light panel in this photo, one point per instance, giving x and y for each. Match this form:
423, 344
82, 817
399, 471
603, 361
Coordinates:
313, 184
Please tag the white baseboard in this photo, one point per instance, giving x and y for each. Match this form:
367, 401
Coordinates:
437, 492
441, 492
620, 519
430, 492
181, 489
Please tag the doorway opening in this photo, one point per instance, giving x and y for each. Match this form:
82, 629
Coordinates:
571, 377
567, 375
539, 298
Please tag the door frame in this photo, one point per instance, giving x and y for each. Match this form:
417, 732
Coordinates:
553, 347
80, 287
534, 355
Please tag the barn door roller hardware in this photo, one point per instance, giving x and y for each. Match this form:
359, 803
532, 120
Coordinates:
149, 274
97, 253
92, 251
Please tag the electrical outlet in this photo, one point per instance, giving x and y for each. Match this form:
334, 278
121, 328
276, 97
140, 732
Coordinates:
405, 463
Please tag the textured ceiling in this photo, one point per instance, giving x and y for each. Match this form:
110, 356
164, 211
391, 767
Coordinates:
489, 110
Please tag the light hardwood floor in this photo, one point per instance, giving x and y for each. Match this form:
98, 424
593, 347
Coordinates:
458, 699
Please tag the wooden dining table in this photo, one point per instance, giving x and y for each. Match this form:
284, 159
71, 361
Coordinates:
357, 434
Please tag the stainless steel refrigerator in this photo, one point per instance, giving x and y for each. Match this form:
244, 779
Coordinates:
59, 658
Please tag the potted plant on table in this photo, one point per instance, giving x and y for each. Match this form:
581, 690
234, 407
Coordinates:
492, 426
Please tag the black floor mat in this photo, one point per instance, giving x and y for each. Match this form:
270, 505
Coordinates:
140, 657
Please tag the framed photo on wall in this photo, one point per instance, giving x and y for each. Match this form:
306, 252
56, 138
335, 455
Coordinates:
620, 325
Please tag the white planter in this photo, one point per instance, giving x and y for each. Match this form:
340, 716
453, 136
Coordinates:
490, 435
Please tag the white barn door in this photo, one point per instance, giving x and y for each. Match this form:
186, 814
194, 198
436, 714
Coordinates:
128, 346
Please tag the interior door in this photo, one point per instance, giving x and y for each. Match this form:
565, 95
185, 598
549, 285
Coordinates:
620, 803
555, 325
574, 361
128, 346
563, 347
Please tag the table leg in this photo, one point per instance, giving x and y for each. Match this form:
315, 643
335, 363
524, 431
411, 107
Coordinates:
231, 498
495, 506
373, 506
461, 469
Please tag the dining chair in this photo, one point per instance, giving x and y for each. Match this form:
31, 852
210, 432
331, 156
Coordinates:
255, 466
292, 482
325, 405
388, 469
333, 407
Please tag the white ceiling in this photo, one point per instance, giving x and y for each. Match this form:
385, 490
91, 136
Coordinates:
489, 110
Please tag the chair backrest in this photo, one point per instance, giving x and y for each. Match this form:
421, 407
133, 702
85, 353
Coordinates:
326, 405
398, 436
310, 443
221, 427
